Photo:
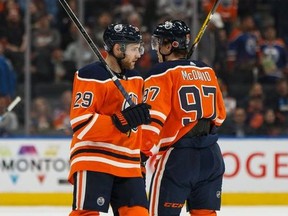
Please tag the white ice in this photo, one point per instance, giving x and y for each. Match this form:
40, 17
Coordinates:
64, 211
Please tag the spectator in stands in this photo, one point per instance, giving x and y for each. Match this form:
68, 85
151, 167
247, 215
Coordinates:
61, 118
278, 100
41, 6
79, 51
236, 126
69, 36
36, 7
103, 20
181, 9
256, 91
242, 51
228, 10
150, 14
68, 30
63, 69
135, 19
2, 9
11, 4
7, 75
12, 34
9, 124
122, 11
207, 48
220, 64
271, 125
52, 7
278, 11
255, 112
41, 116
230, 102
273, 56
46, 38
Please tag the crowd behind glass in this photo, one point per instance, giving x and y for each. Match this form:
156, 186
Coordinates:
246, 44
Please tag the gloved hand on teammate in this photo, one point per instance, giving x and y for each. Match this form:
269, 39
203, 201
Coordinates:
132, 117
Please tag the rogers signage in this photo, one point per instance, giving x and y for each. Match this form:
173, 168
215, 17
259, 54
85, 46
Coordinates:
255, 165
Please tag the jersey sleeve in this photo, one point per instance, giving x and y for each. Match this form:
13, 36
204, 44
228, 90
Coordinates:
85, 115
220, 108
156, 87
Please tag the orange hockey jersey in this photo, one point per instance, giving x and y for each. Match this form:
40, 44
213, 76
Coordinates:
180, 92
97, 145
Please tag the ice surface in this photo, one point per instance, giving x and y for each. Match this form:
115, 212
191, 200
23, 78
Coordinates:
64, 211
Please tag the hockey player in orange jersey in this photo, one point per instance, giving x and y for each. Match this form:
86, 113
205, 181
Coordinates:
187, 108
105, 148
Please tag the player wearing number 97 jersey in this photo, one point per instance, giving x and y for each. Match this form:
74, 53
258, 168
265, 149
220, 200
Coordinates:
187, 107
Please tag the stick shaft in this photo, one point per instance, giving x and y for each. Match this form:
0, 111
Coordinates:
203, 28
10, 107
95, 49
13, 103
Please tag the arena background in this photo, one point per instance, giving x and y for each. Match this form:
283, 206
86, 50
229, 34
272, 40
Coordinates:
34, 163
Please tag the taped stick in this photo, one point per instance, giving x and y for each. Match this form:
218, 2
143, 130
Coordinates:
10, 107
95, 49
203, 28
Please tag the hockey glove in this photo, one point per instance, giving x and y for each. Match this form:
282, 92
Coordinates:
132, 117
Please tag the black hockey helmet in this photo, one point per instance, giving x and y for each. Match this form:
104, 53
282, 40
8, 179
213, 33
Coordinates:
175, 31
120, 33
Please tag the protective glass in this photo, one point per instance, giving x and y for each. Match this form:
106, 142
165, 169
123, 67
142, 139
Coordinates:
155, 42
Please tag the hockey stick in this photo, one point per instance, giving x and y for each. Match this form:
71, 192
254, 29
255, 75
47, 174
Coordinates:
10, 107
96, 51
203, 28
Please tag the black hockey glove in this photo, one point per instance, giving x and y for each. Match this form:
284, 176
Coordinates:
132, 117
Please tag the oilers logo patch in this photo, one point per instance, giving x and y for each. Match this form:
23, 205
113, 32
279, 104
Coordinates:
118, 27
168, 25
133, 97
100, 201
218, 194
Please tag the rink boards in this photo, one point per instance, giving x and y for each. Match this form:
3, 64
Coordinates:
34, 171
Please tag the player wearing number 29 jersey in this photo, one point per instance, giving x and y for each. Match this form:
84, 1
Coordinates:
105, 149
95, 138
187, 107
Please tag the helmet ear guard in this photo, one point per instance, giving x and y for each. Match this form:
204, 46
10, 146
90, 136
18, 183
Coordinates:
175, 44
